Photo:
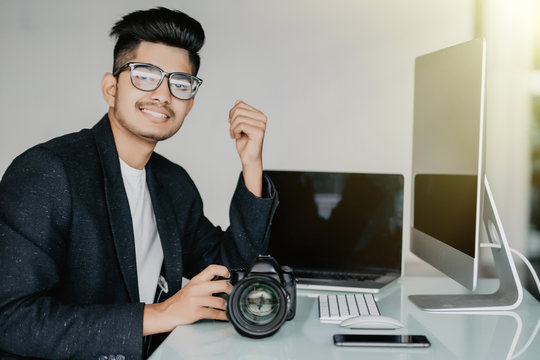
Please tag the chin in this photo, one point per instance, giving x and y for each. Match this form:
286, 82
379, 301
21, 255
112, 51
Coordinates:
157, 135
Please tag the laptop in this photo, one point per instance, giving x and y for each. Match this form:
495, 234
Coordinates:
338, 231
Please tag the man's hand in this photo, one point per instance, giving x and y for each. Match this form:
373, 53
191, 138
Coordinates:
247, 127
192, 303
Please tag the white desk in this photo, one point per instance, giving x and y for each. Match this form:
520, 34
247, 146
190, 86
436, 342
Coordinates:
502, 335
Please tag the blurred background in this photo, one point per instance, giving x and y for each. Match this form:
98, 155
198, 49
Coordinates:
334, 78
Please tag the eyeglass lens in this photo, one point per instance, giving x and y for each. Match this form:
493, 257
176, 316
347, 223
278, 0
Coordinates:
148, 78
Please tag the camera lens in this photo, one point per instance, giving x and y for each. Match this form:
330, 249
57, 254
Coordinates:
257, 306
259, 303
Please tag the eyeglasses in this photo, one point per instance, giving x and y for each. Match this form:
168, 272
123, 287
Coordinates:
147, 77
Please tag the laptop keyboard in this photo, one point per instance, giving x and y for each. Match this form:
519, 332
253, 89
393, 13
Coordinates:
334, 308
336, 275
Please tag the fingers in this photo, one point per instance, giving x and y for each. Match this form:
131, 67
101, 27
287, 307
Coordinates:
251, 131
202, 292
210, 306
204, 307
197, 299
219, 286
239, 105
203, 284
215, 302
214, 314
245, 119
212, 271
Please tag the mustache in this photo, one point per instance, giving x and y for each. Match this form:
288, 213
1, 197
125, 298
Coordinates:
158, 106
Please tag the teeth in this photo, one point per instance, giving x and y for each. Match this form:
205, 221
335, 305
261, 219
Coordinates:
153, 113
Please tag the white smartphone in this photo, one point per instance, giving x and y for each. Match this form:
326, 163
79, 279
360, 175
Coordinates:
415, 341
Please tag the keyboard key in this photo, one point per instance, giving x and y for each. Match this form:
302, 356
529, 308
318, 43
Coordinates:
323, 308
353, 306
334, 308
343, 307
362, 306
372, 306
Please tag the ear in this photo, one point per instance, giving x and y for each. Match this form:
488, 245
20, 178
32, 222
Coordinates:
190, 105
108, 87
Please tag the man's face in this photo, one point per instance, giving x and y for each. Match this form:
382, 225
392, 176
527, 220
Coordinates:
150, 115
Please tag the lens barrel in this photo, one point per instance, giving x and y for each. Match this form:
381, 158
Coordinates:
257, 306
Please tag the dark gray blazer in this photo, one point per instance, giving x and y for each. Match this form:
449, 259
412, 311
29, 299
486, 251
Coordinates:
68, 279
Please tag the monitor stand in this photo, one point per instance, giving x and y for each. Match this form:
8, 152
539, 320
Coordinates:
509, 294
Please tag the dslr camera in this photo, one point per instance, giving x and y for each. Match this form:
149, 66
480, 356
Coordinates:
262, 298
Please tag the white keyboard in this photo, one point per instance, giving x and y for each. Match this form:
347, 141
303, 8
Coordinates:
334, 308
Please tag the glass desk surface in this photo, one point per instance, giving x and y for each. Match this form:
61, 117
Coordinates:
479, 335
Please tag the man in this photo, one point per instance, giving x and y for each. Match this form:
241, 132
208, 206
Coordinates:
92, 222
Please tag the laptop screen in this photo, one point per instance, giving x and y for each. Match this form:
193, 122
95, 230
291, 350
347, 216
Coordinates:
342, 222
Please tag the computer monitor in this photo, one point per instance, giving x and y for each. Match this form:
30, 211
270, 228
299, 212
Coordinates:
453, 211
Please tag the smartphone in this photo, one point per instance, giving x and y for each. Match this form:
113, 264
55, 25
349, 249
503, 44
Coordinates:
415, 341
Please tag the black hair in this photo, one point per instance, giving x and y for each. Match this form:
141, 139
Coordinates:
158, 25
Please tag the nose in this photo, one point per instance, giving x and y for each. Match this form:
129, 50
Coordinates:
162, 93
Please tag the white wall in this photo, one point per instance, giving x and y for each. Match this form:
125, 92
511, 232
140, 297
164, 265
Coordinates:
334, 77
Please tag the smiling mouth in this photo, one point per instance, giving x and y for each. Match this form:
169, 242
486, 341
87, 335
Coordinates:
155, 114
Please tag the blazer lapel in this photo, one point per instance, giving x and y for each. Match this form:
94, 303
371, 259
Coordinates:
117, 206
169, 231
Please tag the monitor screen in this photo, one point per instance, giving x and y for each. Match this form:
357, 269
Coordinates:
338, 221
445, 208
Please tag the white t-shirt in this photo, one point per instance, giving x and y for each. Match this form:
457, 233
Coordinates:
148, 250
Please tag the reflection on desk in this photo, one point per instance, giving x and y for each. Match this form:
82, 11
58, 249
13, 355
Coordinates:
479, 335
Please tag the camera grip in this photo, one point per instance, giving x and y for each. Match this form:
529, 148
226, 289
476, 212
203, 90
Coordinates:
221, 294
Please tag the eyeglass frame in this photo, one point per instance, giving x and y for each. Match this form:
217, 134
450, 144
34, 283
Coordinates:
197, 81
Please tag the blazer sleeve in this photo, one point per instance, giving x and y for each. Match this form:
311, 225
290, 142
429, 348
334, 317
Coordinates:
247, 236
35, 215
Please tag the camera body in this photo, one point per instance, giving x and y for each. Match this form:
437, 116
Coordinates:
262, 299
